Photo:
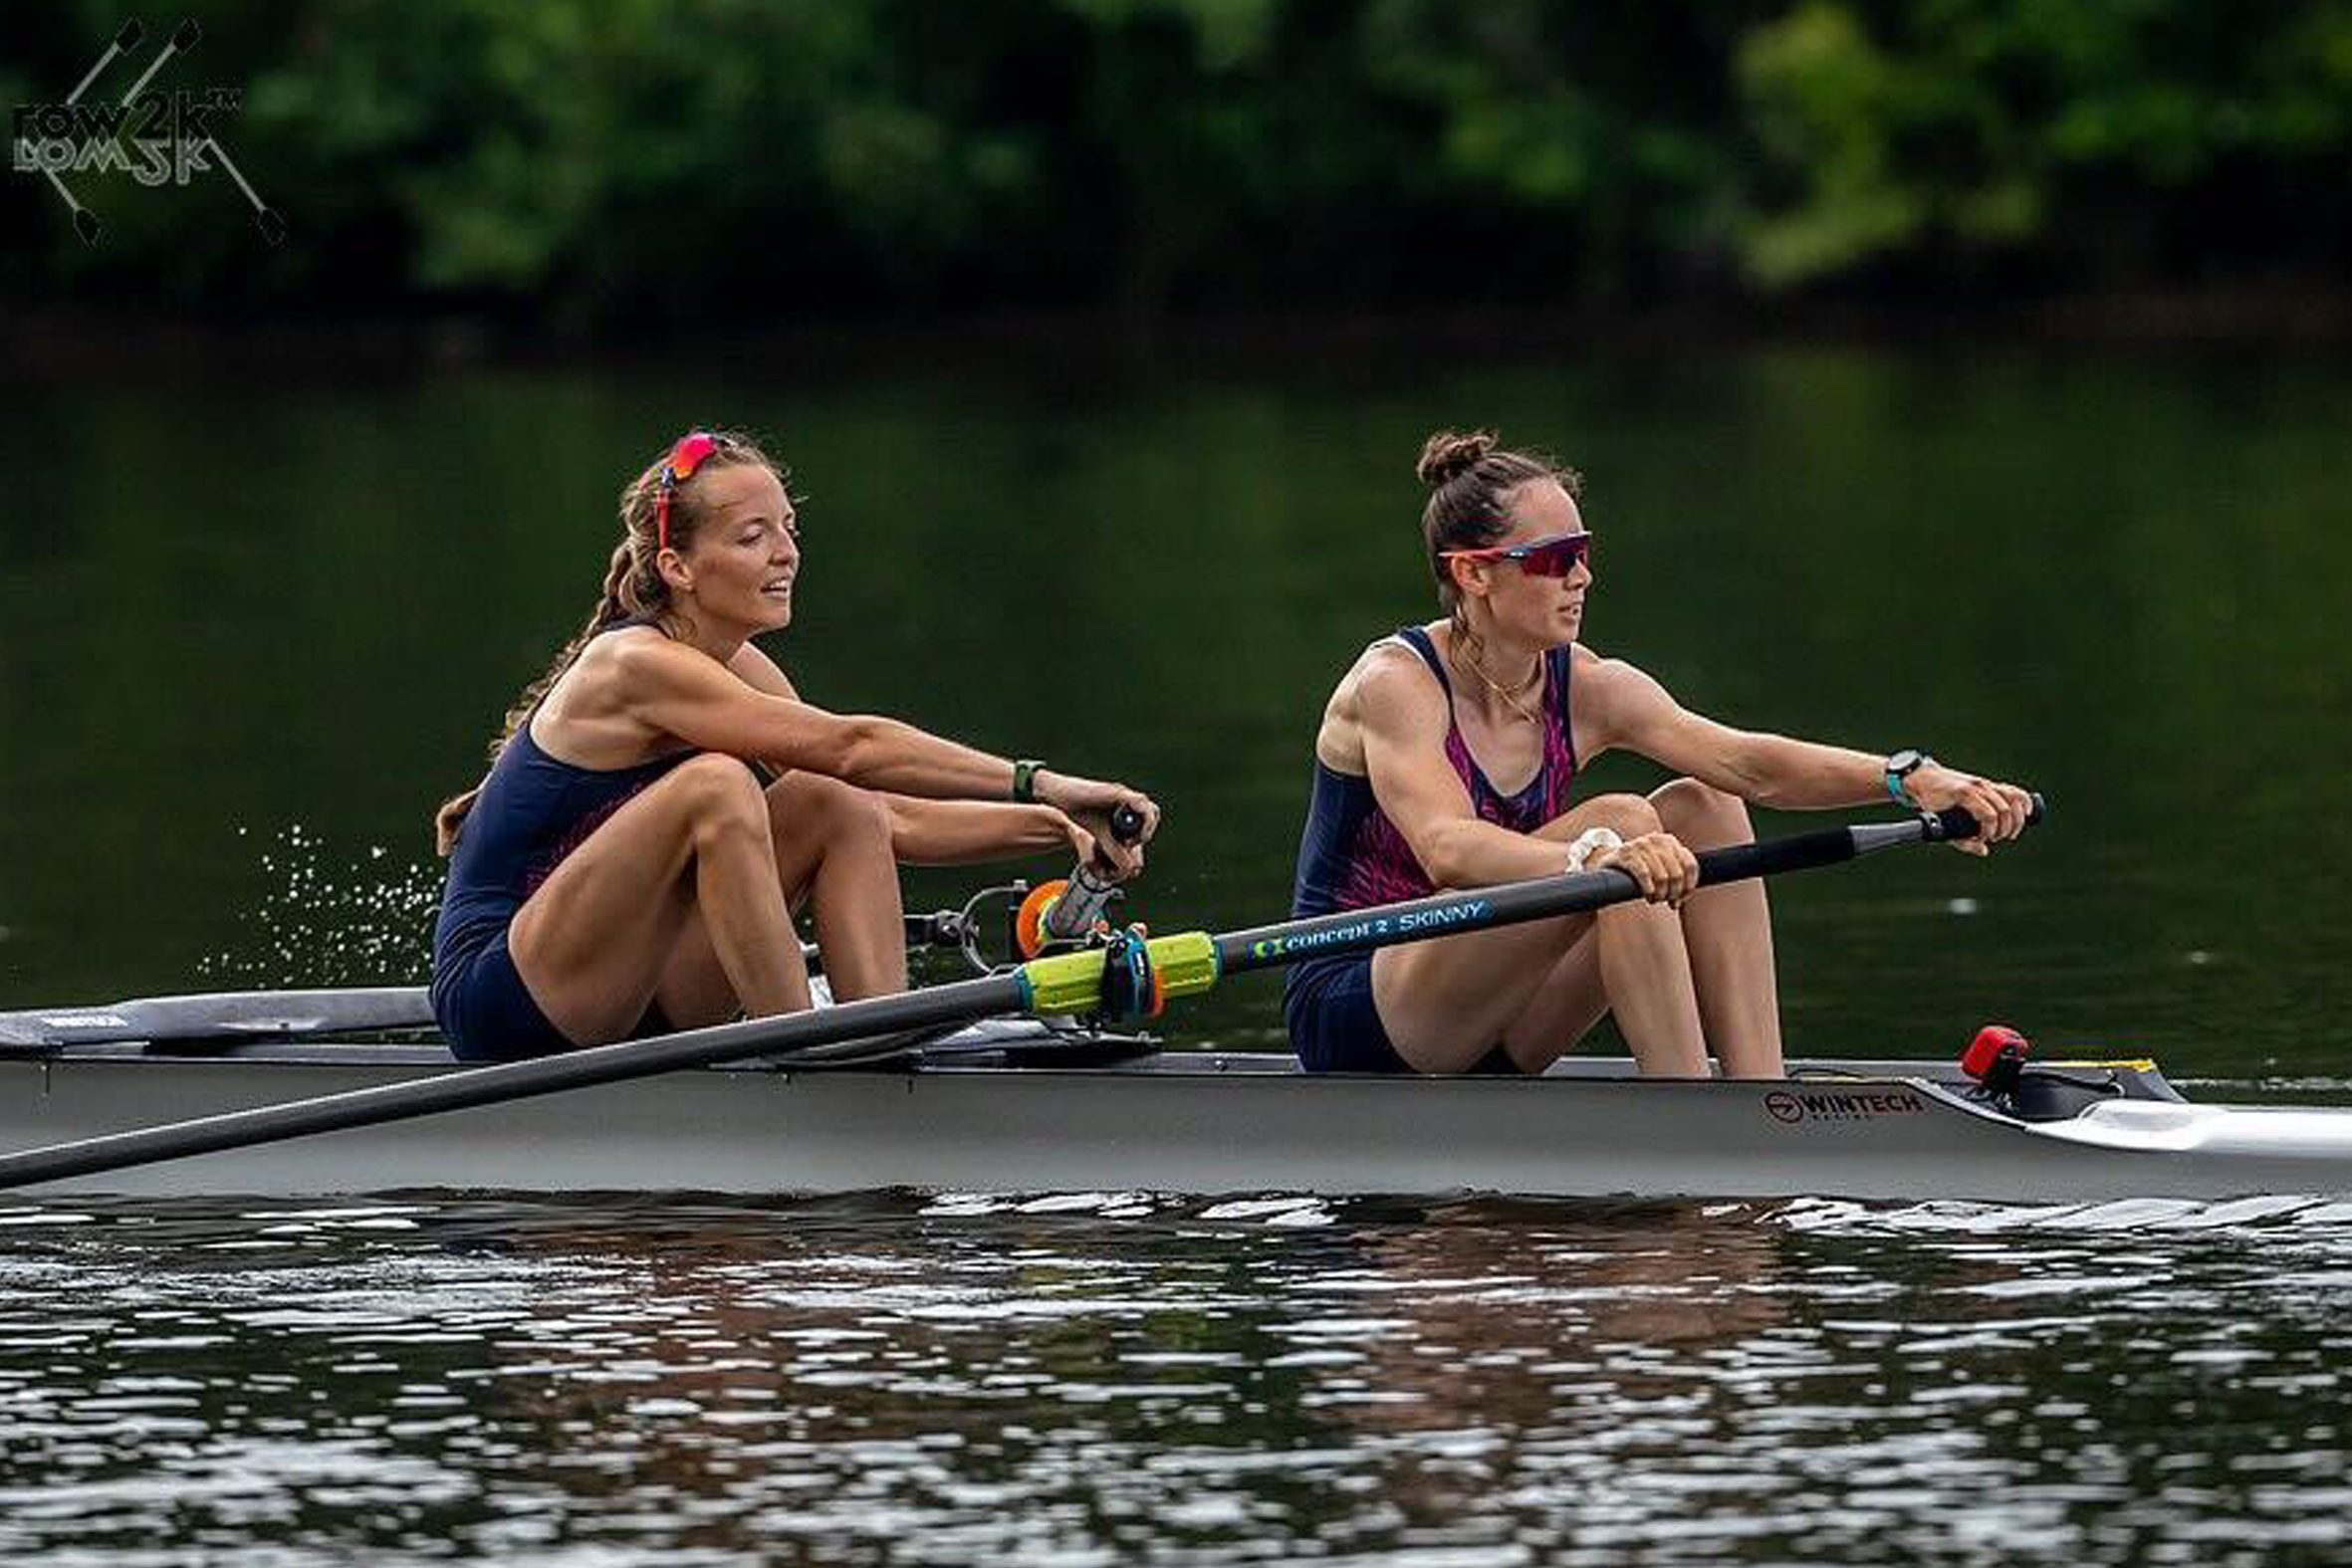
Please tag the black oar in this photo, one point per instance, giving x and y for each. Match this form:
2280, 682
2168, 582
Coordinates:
1184, 963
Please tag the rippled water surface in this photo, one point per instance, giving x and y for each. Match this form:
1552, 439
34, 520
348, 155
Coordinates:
1124, 1378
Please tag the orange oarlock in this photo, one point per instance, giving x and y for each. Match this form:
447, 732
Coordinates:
1029, 924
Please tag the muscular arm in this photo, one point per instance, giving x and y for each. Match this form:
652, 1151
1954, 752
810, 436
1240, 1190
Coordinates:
934, 832
1400, 715
1628, 708
960, 832
683, 693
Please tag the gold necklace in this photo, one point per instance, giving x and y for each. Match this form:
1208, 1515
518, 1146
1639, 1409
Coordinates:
1470, 642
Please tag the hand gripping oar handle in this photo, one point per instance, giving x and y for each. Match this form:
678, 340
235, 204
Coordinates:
1073, 912
1066, 982
1801, 850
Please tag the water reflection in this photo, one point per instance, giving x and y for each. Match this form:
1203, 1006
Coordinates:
910, 1380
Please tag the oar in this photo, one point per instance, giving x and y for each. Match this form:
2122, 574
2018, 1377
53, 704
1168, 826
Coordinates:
222, 1015
1069, 982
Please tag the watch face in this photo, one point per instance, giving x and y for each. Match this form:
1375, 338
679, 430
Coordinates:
1903, 761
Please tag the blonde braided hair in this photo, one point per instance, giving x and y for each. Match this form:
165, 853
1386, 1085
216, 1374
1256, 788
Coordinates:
634, 589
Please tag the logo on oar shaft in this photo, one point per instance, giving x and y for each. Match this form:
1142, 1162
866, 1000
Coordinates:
1372, 929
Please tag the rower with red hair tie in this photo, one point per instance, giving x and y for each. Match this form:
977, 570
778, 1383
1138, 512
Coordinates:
625, 869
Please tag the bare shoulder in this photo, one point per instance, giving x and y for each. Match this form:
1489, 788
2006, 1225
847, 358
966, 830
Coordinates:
635, 659
595, 715
1388, 672
1389, 686
1604, 684
639, 662
756, 669
1620, 704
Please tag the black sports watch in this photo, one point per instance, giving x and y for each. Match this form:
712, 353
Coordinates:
1900, 765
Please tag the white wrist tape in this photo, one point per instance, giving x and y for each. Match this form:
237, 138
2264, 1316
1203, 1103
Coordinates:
1591, 842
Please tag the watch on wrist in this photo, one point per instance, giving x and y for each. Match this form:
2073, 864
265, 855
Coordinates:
1025, 781
1899, 769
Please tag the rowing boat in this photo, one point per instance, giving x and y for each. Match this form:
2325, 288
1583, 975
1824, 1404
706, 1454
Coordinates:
1026, 1106
1029, 1078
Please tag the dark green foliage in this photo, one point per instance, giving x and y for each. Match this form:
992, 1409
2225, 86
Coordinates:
593, 161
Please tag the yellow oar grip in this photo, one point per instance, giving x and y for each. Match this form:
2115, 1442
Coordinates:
1073, 982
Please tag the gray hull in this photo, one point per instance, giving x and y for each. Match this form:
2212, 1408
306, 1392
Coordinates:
1178, 1122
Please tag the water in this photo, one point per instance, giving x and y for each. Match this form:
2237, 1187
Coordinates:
900, 1380
257, 628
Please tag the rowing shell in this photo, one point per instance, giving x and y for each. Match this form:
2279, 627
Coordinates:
962, 1119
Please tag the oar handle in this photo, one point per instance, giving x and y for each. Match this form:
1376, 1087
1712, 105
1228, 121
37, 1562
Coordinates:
1802, 850
1080, 903
1953, 823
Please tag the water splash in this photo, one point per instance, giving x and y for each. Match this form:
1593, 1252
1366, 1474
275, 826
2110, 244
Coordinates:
329, 918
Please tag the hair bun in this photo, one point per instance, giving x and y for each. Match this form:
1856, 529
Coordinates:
1449, 454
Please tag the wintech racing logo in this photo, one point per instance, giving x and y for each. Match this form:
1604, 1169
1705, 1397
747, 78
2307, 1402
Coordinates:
1809, 1105
1409, 922
154, 137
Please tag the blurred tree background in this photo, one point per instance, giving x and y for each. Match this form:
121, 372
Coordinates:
590, 163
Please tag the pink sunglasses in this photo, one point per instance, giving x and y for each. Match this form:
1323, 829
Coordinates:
688, 455
1555, 557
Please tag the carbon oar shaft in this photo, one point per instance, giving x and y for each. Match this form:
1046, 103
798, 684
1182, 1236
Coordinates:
1067, 982
1511, 903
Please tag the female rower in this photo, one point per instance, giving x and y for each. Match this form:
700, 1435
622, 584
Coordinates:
625, 869
1445, 760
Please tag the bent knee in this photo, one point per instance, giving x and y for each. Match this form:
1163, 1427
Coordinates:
1700, 813
1626, 815
828, 808
719, 793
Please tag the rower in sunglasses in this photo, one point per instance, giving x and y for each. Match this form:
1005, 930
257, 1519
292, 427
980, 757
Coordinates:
662, 798
1446, 759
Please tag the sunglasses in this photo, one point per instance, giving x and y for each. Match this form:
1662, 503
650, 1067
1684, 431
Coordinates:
1555, 557
692, 450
